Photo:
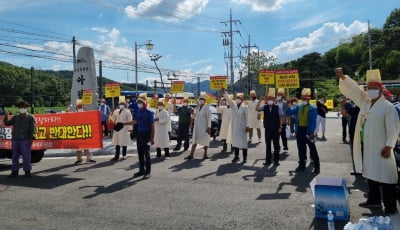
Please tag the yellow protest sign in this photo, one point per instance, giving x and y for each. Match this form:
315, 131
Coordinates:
112, 90
218, 82
313, 102
329, 104
152, 102
87, 96
266, 77
177, 86
210, 98
287, 79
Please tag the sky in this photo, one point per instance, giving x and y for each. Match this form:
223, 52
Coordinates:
187, 34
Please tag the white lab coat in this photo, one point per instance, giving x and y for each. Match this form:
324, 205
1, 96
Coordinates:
254, 121
161, 138
170, 109
122, 137
202, 121
238, 124
381, 129
226, 118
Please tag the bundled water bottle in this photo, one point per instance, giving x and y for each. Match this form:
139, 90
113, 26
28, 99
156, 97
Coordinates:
331, 222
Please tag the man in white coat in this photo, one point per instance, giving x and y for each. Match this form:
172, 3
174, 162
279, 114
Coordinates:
239, 125
226, 117
380, 123
254, 116
201, 128
161, 128
121, 137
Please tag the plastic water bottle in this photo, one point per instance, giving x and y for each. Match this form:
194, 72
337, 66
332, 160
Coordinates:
331, 223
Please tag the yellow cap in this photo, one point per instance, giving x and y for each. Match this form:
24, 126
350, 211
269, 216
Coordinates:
271, 92
373, 75
281, 91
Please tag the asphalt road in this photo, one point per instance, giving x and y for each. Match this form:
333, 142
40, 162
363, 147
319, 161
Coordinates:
195, 194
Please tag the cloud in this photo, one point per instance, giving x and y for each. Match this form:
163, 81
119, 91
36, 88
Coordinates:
100, 29
262, 5
172, 10
320, 40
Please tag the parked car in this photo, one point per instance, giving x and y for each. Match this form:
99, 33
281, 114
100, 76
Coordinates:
215, 123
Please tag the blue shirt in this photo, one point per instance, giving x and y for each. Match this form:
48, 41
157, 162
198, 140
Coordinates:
145, 119
134, 109
105, 111
311, 119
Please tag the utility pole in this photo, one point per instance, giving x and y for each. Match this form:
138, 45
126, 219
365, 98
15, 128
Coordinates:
250, 78
73, 50
198, 86
369, 47
101, 79
229, 42
32, 94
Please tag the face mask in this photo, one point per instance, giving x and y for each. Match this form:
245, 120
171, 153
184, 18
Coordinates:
270, 102
102, 103
223, 103
23, 110
238, 101
373, 93
322, 102
185, 104
294, 103
304, 102
160, 107
80, 110
121, 106
127, 101
201, 102
140, 105
348, 101
278, 98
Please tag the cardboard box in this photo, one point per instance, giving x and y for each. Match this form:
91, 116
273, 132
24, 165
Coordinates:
330, 193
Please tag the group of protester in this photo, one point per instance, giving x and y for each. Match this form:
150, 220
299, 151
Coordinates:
376, 130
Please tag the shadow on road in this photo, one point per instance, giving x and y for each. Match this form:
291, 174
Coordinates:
222, 170
41, 182
187, 164
118, 186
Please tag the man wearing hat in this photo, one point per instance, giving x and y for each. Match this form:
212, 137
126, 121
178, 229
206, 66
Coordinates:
161, 128
305, 127
273, 125
284, 107
254, 117
22, 136
105, 112
201, 127
121, 137
380, 124
144, 119
239, 125
184, 124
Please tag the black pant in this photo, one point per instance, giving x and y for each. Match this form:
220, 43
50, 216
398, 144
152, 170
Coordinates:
105, 125
302, 141
118, 149
388, 192
274, 137
183, 134
283, 136
345, 122
142, 140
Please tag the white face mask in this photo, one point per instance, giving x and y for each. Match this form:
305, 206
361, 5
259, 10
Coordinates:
278, 98
185, 104
160, 107
201, 102
304, 102
140, 105
270, 102
102, 103
294, 103
121, 106
238, 101
23, 110
80, 110
373, 93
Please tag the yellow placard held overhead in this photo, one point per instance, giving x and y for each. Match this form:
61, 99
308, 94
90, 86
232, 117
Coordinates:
313, 102
177, 86
287, 78
329, 104
218, 82
266, 77
112, 90
87, 96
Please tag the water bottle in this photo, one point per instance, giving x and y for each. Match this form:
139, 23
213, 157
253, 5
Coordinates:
331, 223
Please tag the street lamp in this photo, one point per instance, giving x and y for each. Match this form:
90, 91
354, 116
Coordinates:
149, 46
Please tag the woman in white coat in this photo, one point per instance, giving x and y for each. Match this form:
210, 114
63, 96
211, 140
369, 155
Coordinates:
226, 117
201, 128
161, 129
121, 137
239, 125
380, 123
